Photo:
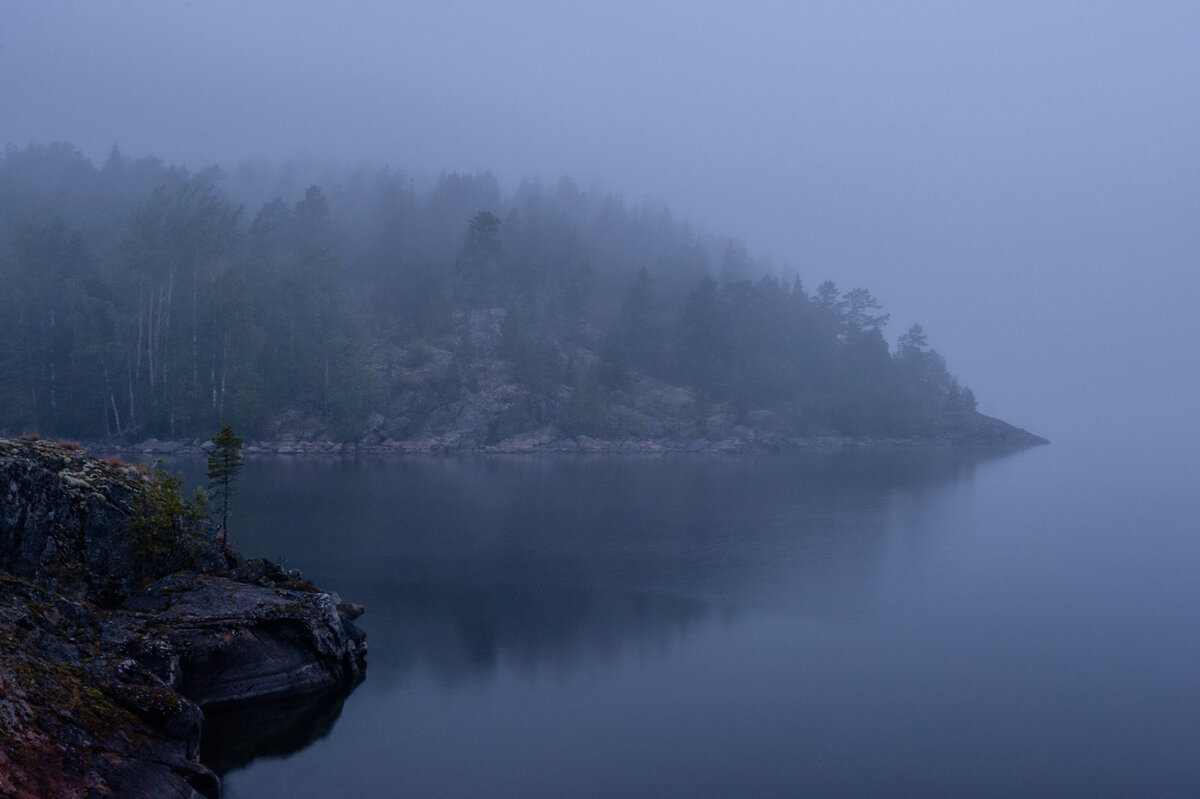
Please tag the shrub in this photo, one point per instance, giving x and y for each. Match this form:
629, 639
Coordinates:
163, 526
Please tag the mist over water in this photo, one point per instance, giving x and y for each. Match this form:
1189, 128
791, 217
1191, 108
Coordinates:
1022, 179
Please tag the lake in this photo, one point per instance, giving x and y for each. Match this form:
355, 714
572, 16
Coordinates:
921, 622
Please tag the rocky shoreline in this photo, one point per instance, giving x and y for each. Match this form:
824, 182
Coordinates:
760, 435
104, 681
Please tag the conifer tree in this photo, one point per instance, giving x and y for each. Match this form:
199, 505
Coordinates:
224, 462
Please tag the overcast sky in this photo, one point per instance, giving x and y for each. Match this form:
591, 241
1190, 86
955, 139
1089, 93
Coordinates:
1021, 177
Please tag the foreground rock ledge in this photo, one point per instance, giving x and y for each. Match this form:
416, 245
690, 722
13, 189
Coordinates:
102, 687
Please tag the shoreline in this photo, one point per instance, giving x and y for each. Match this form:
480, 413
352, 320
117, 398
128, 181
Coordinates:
535, 445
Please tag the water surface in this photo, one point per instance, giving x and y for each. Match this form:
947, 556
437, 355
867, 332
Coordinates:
922, 622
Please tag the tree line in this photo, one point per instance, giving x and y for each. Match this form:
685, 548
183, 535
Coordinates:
139, 299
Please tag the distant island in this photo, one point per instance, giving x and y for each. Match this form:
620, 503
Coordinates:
141, 302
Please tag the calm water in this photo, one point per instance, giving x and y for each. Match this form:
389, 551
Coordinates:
921, 623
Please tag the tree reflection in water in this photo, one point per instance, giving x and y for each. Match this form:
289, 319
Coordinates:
234, 737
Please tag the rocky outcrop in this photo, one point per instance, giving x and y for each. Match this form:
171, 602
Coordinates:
77, 715
220, 642
63, 519
103, 687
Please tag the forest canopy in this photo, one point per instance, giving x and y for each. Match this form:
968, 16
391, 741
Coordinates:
140, 299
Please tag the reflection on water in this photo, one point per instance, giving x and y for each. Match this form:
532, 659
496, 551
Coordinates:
459, 559
460, 635
546, 554
545, 562
235, 737
474, 567
905, 623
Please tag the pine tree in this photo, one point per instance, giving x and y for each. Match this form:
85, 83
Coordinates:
224, 462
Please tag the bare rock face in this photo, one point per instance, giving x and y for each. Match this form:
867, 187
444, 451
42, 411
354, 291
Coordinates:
220, 642
75, 717
64, 522
63, 517
102, 687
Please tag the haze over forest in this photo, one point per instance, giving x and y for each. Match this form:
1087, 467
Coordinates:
139, 299
1022, 180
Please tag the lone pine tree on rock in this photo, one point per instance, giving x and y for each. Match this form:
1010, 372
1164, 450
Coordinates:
224, 462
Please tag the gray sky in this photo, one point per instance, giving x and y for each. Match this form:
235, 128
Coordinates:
1023, 177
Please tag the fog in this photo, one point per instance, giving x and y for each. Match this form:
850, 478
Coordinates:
1022, 178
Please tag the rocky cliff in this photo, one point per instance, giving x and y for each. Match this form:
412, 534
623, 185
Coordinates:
102, 685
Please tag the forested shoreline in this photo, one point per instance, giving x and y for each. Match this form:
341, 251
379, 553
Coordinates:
142, 300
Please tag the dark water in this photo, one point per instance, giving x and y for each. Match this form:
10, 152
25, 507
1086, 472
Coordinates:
920, 623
